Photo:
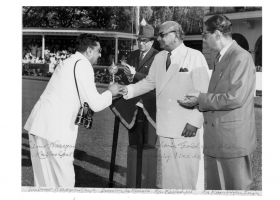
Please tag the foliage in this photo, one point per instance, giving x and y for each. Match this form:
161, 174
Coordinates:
190, 18
234, 10
109, 17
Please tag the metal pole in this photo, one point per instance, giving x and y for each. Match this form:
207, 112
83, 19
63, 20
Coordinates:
43, 46
140, 127
114, 150
137, 19
116, 50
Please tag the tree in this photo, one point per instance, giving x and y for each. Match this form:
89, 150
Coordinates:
109, 17
54, 17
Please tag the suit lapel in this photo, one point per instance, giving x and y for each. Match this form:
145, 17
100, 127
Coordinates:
174, 67
220, 68
146, 58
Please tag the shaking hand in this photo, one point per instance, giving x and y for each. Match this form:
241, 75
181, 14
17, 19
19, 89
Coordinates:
114, 88
123, 90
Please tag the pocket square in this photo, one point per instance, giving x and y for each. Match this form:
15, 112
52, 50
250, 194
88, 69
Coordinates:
183, 70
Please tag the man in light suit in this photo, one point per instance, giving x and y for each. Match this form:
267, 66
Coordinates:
228, 107
51, 127
182, 72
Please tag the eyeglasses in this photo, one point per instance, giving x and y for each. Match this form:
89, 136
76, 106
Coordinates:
163, 34
144, 41
205, 33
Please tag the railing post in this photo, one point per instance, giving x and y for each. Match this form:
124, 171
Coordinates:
114, 150
140, 129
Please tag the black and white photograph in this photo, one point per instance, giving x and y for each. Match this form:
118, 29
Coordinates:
157, 100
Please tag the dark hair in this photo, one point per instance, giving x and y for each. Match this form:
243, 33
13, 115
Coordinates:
86, 40
219, 22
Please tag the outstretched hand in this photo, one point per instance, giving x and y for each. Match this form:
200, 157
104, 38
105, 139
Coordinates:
123, 90
190, 101
114, 88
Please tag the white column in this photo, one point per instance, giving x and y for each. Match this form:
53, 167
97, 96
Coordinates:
116, 51
137, 19
43, 46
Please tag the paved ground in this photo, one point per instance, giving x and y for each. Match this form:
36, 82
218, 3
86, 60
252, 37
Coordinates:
93, 149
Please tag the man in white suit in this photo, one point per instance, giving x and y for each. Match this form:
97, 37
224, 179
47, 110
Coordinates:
174, 72
51, 127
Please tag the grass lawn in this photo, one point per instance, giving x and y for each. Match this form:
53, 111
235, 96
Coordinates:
93, 148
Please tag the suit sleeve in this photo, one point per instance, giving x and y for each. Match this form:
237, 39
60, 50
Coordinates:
87, 88
238, 90
200, 80
147, 84
139, 76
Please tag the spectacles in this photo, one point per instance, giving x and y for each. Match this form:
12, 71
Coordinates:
144, 41
163, 34
205, 33
99, 50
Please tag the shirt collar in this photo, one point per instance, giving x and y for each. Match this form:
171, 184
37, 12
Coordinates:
175, 51
81, 56
144, 54
224, 50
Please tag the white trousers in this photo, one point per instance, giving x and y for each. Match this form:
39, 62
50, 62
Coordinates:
52, 163
181, 164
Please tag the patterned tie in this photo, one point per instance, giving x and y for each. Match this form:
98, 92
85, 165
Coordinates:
216, 60
141, 57
168, 61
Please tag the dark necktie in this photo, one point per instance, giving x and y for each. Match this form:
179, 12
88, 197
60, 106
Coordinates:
141, 56
216, 60
168, 61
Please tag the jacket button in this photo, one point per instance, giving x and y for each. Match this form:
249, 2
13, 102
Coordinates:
213, 125
205, 122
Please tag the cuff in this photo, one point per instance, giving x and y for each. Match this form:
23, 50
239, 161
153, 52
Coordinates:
129, 94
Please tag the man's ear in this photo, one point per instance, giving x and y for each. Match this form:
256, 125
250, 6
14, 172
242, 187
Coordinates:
88, 51
218, 34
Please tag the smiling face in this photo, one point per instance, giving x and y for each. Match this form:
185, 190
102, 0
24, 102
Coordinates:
167, 40
144, 44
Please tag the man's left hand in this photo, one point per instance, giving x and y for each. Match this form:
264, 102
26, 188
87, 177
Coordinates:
129, 71
189, 131
190, 101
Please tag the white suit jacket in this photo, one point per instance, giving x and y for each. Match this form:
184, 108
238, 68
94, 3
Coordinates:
53, 116
171, 86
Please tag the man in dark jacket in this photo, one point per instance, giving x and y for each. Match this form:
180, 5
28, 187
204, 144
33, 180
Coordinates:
139, 62
136, 69
141, 59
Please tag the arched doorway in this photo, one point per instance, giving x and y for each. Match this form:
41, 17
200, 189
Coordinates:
258, 55
241, 40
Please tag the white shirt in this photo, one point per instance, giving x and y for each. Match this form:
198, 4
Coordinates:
175, 51
224, 50
144, 54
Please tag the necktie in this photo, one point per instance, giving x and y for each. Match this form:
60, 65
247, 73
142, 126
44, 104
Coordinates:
168, 61
216, 60
141, 56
